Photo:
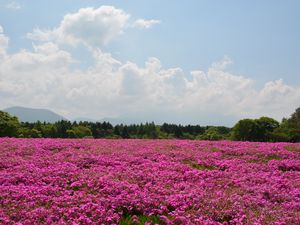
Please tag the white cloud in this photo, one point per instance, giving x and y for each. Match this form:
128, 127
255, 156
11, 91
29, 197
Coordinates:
94, 27
90, 26
3, 43
45, 77
13, 6
142, 23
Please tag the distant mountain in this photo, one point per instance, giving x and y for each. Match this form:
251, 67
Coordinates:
33, 115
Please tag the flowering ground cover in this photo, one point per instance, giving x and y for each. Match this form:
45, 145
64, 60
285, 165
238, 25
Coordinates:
56, 181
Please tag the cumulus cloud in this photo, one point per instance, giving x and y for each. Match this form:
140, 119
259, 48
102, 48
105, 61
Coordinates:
142, 23
94, 27
90, 26
46, 77
13, 6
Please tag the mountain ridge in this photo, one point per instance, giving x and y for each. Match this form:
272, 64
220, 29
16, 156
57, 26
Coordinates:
26, 114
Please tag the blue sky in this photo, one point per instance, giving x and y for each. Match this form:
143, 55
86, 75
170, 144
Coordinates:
261, 37
257, 40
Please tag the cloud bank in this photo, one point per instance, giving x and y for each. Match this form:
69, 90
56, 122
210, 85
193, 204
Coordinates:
45, 77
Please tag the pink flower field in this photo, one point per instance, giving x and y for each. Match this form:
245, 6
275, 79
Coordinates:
89, 181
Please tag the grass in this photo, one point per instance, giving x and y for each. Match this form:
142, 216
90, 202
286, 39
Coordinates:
204, 167
136, 217
268, 158
292, 148
140, 220
199, 166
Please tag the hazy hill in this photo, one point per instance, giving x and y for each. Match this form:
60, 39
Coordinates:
33, 115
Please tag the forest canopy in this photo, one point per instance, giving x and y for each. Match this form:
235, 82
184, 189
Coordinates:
262, 129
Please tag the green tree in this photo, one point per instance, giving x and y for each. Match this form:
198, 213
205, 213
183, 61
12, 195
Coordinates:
48, 130
291, 126
212, 133
117, 130
71, 133
125, 133
265, 126
34, 133
62, 127
245, 130
261, 129
24, 132
281, 134
8, 125
80, 132
178, 132
294, 120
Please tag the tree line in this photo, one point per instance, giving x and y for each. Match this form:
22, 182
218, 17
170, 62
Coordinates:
261, 129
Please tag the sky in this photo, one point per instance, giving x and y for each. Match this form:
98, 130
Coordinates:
190, 62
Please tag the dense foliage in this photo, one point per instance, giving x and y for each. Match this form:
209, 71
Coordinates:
102, 181
8, 125
255, 130
268, 129
263, 129
67, 129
